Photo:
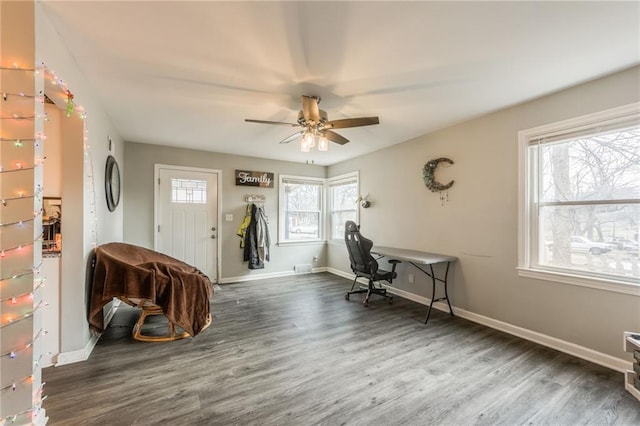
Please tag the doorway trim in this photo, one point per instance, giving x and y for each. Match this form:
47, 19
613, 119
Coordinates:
156, 195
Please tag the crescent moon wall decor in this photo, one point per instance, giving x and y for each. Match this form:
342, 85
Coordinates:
428, 175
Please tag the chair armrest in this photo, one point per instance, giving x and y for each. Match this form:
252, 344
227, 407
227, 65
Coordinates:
394, 263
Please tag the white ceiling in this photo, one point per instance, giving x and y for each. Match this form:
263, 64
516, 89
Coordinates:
188, 73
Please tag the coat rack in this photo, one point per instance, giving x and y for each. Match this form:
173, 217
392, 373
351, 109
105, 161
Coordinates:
255, 198
258, 200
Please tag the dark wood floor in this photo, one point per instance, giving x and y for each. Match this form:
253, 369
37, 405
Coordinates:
293, 351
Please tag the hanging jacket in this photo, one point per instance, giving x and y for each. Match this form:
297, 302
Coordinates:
262, 234
251, 243
242, 231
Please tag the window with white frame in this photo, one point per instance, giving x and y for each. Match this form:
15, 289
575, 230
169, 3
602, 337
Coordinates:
301, 209
343, 195
580, 200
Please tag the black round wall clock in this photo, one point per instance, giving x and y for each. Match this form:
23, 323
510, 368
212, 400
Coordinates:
112, 183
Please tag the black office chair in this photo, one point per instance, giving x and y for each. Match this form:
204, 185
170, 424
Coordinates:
364, 265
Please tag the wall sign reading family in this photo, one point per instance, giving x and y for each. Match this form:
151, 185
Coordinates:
249, 178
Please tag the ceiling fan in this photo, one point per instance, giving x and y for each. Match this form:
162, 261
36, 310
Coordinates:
316, 127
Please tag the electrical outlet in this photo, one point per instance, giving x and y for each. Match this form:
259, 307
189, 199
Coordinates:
315, 258
410, 278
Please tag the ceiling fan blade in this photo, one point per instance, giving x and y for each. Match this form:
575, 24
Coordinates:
310, 110
279, 123
334, 137
351, 122
292, 137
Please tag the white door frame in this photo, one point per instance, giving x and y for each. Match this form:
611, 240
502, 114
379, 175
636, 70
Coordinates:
156, 196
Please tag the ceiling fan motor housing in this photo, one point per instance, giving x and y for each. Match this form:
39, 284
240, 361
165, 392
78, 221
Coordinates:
323, 118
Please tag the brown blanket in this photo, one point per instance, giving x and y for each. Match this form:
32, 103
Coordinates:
182, 291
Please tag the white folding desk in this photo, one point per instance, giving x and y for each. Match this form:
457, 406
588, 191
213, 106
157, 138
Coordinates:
416, 258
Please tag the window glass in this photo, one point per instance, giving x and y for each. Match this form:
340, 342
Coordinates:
188, 191
302, 201
343, 194
583, 199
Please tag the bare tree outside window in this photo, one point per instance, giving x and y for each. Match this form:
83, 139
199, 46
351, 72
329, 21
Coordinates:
343, 196
588, 205
303, 202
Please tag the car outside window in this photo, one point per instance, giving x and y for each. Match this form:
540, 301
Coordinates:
580, 197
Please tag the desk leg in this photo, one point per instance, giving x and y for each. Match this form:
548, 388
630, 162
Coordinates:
446, 294
433, 290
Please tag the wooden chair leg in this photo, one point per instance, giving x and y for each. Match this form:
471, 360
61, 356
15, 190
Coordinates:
150, 311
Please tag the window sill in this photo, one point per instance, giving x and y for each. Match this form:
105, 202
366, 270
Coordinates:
581, 281
301, 243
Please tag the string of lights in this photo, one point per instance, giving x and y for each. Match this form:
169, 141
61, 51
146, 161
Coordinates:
14, 299
71, 108
31, 118
18, 141
5, 96
21, 117
13, 418
12, 321
20, 197
16, 67
13, 385
19, 169
20, 246
35, 269
14, 353
20, 223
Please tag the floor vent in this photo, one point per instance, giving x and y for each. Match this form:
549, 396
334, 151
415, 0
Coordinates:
304, 268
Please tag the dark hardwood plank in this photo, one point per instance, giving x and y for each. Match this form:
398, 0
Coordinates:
292, 351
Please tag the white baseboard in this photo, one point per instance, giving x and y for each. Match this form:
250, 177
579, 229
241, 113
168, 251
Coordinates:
254, 277
83, 354
583, 352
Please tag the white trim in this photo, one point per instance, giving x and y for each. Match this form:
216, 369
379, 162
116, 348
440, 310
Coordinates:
156, 188
528, 222
72, 357
582, 352
40, 418
628, 384
83, 354
582, 121
301, 243
281, 203
581, 281
255, 277
330, 184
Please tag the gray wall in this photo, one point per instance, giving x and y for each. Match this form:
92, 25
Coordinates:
479, 222
86, 220
138, 195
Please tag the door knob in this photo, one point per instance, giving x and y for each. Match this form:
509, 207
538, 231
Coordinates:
213, 228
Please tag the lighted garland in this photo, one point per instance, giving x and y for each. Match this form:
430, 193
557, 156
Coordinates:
36, 397
18, 142
12, 354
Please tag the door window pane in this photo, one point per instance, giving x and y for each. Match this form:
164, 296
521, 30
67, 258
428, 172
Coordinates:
188, 191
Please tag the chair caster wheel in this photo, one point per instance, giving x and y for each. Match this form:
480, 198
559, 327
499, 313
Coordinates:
390, 300
365, 303
346, 297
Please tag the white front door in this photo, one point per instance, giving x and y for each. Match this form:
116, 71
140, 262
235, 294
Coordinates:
187, 216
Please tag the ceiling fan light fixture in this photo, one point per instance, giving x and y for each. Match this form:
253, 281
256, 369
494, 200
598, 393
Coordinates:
307, 142
323, 144
316, 128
